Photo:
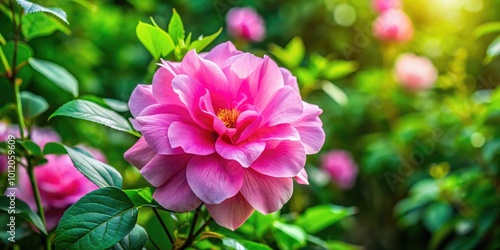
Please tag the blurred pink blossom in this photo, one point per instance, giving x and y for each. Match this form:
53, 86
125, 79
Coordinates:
393, 25
245, 23
415, 72
341, 168
227, 129
382, 6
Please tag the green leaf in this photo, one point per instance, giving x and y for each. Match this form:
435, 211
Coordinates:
156, 40
40, 25
97, 172
176, 28
289, 236
33, 105
2, 40
239, 244
57, 74
334, 92
486, 28
30, 8
24, 52
292, 55
135, 240
21, 210
203, 42
32, 147
113, 104
141, 196
98, 220
323, 217
338, 69
493, 50
54, 148
436, 215
90, 111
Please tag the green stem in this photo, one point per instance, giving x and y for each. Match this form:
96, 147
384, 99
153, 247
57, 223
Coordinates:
5, 63
170, 238
38, 199
19, 105
191, 235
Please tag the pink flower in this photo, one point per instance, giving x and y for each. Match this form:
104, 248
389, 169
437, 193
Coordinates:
382, 6
341, 167
59, 182
245, 23
415, 72
224, 128
393, 25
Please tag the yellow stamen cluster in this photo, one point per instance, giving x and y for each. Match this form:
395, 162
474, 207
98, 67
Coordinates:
228, 117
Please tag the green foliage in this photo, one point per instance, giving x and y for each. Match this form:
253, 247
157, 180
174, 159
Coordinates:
33, 105
57, 74
239, 244
99, 220
156, 41
176, 28
30, 8
40, 24
323, 216
135, 240
24, 52
23, 211
90, 111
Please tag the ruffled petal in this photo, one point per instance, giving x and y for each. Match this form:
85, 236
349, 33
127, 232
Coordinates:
284, 107
310, 128
302, 177
141, 97
245, 153
285, 160
214, 179
231, 213
264, 193
162, 168
191, 139
139, 154
176, 195
162, 84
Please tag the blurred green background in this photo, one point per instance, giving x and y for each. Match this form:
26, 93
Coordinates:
428, 161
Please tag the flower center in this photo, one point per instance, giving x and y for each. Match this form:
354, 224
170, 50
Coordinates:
228, 117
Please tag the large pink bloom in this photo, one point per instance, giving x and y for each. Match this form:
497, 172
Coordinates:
415, 73
245, 23
59, 182
224, 128
393, 25
341, 168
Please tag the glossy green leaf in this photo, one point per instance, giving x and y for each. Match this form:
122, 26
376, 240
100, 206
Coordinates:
24, 52
338, 69
57, 74
203, 42
113, 104
289, 236
135, 240
98, 220
21, 210
33, 105
323, 217
493, 50
334, 92
40, 25
86, 110
32, 147
54, 148
436, 215
141, 196
176, 28
154, 39
97, 172
487, 28
30, 8
239, 244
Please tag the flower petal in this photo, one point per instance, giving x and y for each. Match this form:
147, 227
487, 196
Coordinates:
285, 160
284, 107
191, 139
231, 213
310, 128
245, 153
290, 80
162, 84
302, 177
214, 179
220, 53
176, 195
141, 97
139, 154
162, 168
266, 194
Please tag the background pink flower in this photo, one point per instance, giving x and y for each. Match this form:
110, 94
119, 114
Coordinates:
341, 168
227, 129
384, 5
393, 25
59, 182
415, 72
245, 23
